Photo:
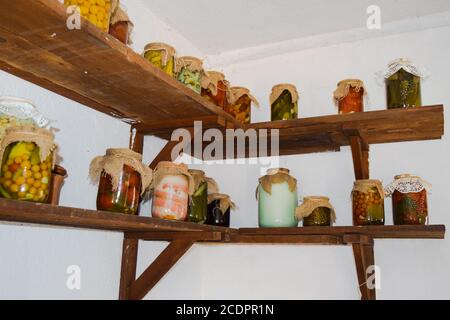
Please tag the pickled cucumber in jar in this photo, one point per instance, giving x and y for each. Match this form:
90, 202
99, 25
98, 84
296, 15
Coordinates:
283, 108
98, 12
162, 56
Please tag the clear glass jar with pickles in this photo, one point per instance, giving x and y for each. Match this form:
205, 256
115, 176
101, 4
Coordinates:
240, 104
368, 203
162, 56
316, 212
97, 12
198, 207
189, 71
284, 102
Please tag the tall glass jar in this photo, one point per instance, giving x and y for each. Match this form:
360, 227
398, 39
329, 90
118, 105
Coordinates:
123, 178
189, 72
121, 26
198, 208
172, 186
349, 96
97, 12
409, 199
162, 56
316, 212
27, 161
215, 88
278, 199
240, 104
284, 102
219, 208
368, 203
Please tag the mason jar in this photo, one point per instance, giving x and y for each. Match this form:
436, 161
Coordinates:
349, 96
368, 203
215, 88
316, 212
162, 56
189, 72
240, 104
198, 207
284, 102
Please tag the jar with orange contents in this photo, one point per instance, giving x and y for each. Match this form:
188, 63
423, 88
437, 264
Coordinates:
240, 104
27, 161
349, 96
368, 203
215, 88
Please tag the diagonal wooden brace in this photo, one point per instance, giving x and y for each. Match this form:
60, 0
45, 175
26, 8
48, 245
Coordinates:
363, 252
360, 153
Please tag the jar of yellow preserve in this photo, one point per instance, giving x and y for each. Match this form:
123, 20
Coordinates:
98, 12
162, 56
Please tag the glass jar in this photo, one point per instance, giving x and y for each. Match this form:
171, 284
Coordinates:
350, 96
27, 163
198, 207
316, 212
162, 56
219, 209
215, 88
96, 12
403, 87
120, 26
409, 199
278, 199
190, 73
284, 102
240, 104
368, 203
171, 189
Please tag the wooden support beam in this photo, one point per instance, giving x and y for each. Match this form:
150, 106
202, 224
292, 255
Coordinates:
286, 239
363, 253
360, 153
129, 261
165, 261
178, 235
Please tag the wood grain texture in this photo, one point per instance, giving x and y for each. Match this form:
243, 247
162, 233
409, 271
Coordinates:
128, 268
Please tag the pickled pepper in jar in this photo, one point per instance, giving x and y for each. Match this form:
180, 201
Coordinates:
97, 12
189, 71
368, 203
240, 104
162, 56
284, 102
215, 88
316, 212
349, 96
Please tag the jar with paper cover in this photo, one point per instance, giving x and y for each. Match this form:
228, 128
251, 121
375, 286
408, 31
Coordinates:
189, 71
409, 199
215, 88
122, 180
284, 102
349, 96
278, 199
316, 212
198, 207
368, 203
162, 56
172, 185
97, 12
121, 26
27, 155
240, 104
219, 209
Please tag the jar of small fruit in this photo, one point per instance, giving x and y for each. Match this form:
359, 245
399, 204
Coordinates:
215, 88
240, 104
198, 207
368, 203
27, 161
284, 102
349, 96
316, 212
98, 12
162, 56
189, 71
122, 177
409, 199
172, 185
120, 26
219, 209
278, 199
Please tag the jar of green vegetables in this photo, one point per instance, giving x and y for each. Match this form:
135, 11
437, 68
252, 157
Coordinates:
284, 102
162, 56
189, 71
198, 207
316, 212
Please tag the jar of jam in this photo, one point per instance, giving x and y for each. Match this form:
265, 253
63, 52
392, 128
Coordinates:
316, 212
240, 104
162, 56
368, 203
409, 199
172, 185
198, 207
284, 102
215, 88
278, 199
96, 12
27, 155
121, 26
349, 96
189, 72
123, 179
219, 208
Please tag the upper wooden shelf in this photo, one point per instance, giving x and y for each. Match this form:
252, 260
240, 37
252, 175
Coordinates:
93, 68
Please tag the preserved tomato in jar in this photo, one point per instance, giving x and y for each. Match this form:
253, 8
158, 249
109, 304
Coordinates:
120, 26
284, 102
215, 88
350, 96
368, 203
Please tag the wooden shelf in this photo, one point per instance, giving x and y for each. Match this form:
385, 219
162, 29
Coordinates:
93, 68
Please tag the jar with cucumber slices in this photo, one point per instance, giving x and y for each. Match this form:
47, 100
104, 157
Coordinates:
198, 208
27, 161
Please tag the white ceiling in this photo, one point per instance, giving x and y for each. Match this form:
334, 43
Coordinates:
217, 26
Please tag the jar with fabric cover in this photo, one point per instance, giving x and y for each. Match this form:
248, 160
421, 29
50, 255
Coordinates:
198, 206
409, 199
284, 102
219, 209
96, 12
28, 155
278, 199
122, 179
368, 203
172, 186
189, 71
240, 104
162, 56
349, 96
215, 88
121, 26
316, 212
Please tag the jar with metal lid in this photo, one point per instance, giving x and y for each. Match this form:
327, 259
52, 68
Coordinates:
162, 56
219, 208
27, 155
215, 88
96, 12
198, 207
121, 26
189, 71
278, 199
284, 102
122, 180
240, 104
368, 203
172, 185
349, 96
316, 212
409, 199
